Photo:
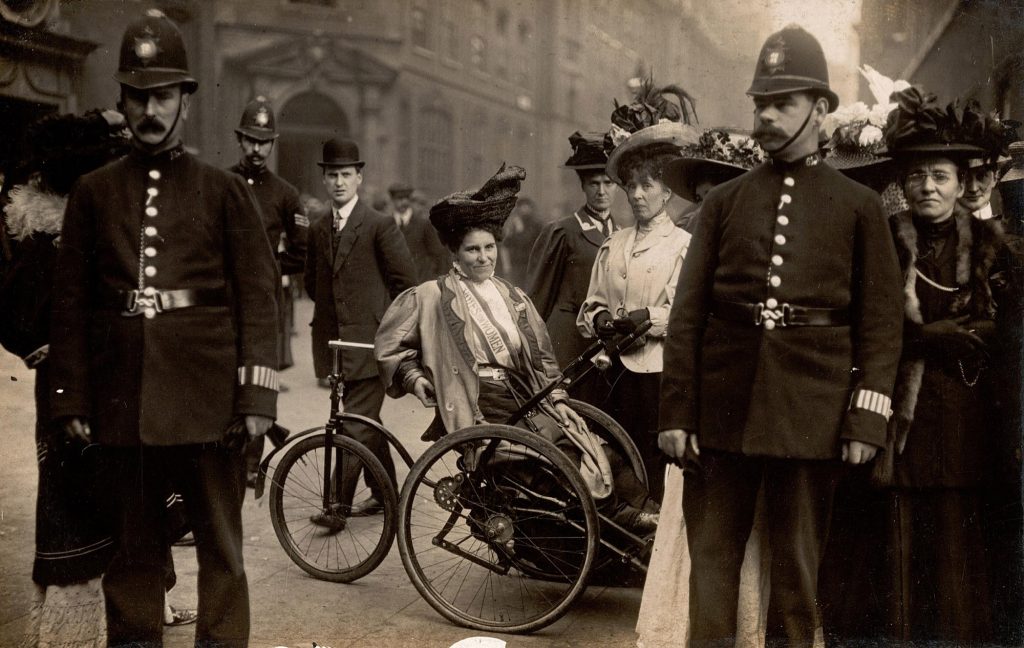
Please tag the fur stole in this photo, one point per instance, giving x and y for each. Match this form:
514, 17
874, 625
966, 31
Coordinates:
978, 244
32, 210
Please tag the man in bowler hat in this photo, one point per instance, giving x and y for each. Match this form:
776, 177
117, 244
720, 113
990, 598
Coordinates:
781, 354
164, 344
356, 263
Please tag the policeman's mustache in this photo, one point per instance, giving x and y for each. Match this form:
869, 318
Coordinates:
149, 125
764, 131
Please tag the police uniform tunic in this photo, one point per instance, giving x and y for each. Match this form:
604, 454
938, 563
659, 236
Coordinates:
785, 235
139, 368
282, 213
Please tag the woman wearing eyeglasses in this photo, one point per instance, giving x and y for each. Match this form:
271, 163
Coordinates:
940, 446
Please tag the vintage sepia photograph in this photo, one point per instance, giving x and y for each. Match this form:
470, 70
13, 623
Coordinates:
512, 323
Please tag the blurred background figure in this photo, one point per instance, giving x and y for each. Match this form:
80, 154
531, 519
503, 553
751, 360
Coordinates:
429, 256
521, 231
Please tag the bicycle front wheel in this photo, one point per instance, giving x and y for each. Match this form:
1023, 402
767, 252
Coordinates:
322, 539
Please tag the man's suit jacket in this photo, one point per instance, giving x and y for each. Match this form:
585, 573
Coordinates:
352, 283
558, 279
430, 257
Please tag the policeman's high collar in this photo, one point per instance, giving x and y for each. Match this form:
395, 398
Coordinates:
814, 159
144, 157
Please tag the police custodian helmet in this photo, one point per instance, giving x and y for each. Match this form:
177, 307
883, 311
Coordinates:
258, 121
153, 55
792, 61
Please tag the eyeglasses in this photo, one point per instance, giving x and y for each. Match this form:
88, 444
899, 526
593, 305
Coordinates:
940, 178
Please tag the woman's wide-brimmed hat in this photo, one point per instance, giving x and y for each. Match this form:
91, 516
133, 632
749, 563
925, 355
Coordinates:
667, 136
489, 206
1016, 165
918, 126
720, 154
588, 152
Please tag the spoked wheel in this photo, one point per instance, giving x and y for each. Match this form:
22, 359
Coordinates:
336, 547
497, 529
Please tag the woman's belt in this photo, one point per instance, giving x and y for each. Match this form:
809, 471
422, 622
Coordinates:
151, 301
492, 372
760, 314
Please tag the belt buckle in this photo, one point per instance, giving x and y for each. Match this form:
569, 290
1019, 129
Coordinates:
139, 302
758, 313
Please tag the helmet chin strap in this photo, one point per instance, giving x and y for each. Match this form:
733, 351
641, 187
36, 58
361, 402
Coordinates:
789, 142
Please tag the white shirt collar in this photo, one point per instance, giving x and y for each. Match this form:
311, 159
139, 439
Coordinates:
984, 213
402, 218
342, 213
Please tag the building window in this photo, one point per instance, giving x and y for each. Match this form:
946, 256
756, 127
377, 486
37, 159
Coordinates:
501, 22
316, 3
419, 19
434, 161
475, 150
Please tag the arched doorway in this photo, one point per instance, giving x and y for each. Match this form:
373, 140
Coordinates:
306, 121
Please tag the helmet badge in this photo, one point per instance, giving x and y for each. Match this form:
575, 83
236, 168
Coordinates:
774, 59
262, 117
146, 47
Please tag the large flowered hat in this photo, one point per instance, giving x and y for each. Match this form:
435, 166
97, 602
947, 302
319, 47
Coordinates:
490, 205
651, 121
720, 154
919, 126
854, 132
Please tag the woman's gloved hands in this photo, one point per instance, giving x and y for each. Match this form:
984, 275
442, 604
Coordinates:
626, 323
960, 336
604, 326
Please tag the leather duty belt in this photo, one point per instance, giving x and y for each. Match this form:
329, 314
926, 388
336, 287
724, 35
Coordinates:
782, 315
150, 301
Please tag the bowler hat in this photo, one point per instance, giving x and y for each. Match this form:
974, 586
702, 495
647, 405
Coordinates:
341, 153
153, 55
258, 121
791, 60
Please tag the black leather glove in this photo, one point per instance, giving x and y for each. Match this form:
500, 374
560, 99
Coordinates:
633, 319
954, 336
235, 436
604, 327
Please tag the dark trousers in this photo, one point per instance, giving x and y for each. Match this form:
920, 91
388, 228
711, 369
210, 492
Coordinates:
718, 504
364, 397
633, 403
210, 479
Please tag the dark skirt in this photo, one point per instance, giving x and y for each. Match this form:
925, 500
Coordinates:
73, 523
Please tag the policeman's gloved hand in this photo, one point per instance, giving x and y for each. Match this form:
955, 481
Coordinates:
235, 436
632, 320
604, 326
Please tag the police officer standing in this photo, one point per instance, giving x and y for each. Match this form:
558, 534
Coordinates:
285, 221
781, 354
165, 343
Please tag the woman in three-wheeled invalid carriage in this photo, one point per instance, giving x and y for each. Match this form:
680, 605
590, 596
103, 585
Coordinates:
515, 507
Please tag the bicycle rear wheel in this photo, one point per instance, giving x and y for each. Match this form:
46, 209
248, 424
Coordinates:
343, 554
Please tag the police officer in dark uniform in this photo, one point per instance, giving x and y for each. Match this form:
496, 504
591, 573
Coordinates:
164, 343
285, 221
782, 349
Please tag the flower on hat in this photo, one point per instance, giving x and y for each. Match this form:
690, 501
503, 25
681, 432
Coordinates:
716, 144
650, 107
857, 128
